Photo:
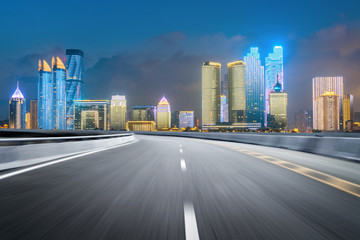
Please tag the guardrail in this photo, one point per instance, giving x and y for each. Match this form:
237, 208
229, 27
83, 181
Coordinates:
332, 146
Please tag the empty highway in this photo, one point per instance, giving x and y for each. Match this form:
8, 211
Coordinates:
182, 188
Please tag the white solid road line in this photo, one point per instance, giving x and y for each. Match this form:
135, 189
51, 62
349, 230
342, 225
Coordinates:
191, 230
28, 169
183, 165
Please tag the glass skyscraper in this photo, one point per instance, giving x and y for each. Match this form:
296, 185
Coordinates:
17, 110
186, 119
254, 82
45, 96
237, 93
273, 73
59, 94
74, 82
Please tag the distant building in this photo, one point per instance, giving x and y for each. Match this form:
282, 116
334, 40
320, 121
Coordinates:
17, 110
303, 121
141, 126
74, 82
45, 96
224, 86
186, 119
348, 108
273, 73
91, 115
326, 85
278, 108
210, 93
224, 109
255, 84
175, 119
237, 92
328, 114
356, 116
163, 115
33, 114
118, 113
27, 120
143, 113
59, 94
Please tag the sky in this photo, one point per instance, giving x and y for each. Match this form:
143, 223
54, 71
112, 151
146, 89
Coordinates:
147, 49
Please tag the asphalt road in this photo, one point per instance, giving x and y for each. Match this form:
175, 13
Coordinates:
179, 188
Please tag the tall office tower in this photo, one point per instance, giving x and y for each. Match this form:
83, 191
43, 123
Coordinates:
210, 93
45, 96
303, 121
33, 114
118, 113
224, 109
278, 108
175, 119
255, 84
237, 93
17, 110
186, 119
273, 73
163, 115
59, 94
321, 85
74, 82
348, 108
27, 120
143, 113
224, 85
327, 112
91, 115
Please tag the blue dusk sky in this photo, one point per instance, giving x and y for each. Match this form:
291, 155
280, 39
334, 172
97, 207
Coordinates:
147, 49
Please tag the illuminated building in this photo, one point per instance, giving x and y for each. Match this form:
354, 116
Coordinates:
45, 96
224, 109
74, 82
143, 113
17, 110
175, 119
323, 85
33, 114
186, 119
59, 94
118, 112
254, 81
141, 126
237, 93
210, 93
278, 108
273, 73
327, 112
163, 114
27, 120
95, 117
348, 108
224, 85
303, 121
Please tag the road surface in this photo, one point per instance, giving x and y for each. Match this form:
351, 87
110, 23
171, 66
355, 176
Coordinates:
180, 188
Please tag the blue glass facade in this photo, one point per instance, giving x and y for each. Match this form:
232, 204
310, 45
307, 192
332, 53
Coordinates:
273, 73
59, 94
255, 92
45, 93
74, 82
17, 110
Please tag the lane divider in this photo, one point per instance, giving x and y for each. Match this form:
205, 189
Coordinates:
191, 229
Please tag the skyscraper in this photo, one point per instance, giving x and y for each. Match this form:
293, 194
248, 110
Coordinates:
59, 94
118, 113
17, 110
91, 115
74, 82
278, 108
163, 115
210, 93
348, 108
224, 109
27, 120
33, 114
175, 119
186, 119
254, 81
303, 120
273, 73
45, 96
327, 112
237, 93
323, 85
143, 113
